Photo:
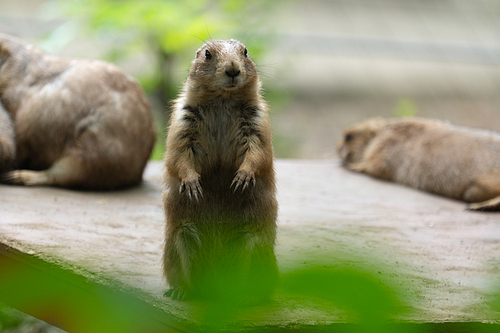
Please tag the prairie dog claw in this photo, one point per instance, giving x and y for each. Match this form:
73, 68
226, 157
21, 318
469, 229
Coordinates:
243, 179
192, 187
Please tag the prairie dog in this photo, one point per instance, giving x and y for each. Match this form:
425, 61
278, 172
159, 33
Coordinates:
456, 162
219, 195
75, 123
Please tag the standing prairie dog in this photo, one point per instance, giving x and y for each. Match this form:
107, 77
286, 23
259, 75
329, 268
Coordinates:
219, 196
430, 155
70, 122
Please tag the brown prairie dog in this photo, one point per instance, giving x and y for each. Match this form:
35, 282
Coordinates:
76, 123
219, 196
430, 155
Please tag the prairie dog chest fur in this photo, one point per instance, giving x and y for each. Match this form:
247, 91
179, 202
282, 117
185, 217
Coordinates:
221, 131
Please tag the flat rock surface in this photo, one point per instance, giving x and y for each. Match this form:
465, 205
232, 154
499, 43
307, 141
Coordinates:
444, 260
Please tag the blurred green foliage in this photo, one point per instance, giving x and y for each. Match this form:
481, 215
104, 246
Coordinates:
347, 292
406, 108
354, 294
355, 289
167, 31
363, 296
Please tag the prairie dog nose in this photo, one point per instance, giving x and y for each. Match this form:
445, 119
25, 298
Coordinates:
232, 68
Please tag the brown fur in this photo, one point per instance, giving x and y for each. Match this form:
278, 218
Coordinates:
219, 195
7, 141
77, 123
430, 155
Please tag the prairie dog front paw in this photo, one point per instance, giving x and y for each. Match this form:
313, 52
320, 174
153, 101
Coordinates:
243, 179
192, 188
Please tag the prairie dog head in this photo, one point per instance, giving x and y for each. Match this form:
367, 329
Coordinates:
223, 66
357, 137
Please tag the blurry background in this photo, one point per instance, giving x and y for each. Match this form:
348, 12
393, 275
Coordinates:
324, 63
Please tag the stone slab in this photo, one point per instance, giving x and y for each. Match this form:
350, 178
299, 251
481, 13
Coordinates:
443, 260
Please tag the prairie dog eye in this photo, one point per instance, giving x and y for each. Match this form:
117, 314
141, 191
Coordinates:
208, 55
348, 137
245, 53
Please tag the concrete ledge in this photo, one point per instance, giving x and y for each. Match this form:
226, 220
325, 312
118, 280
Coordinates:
441, 260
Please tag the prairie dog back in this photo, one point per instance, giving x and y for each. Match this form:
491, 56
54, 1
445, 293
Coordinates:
77, 123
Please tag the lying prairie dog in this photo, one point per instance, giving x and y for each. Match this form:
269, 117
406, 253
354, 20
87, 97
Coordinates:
434, 156
76, 123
